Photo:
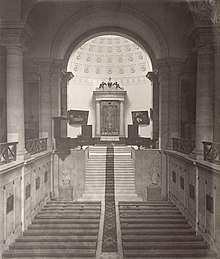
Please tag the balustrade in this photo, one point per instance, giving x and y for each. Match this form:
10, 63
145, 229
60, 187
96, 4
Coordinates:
194, 187
212, 152
8, 152
34, 146
24, 189
184, 146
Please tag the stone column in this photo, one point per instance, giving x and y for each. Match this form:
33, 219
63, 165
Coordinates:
56, 77
173, 111
98, 119
154, 81
163, 70
204, 98
15, 98
3, 97
122, 123
67, 76
216, 137
45, 113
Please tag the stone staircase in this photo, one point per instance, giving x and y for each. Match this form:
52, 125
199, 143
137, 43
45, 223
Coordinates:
159, 230
60, 230
124, 176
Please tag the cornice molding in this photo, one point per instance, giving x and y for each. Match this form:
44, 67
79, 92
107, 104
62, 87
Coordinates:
15, 33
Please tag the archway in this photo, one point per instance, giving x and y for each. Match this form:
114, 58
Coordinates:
110, 59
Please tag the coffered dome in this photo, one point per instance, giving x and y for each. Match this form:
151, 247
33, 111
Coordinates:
109, 56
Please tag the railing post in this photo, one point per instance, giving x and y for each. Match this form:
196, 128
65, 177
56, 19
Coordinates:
197, 199
4, 214
52, 174
23, 198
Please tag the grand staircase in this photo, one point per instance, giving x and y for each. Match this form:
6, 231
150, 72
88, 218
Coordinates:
124, 176
152, 230
159, 230
60, 230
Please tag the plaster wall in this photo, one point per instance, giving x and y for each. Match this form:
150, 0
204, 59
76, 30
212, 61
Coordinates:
139, 98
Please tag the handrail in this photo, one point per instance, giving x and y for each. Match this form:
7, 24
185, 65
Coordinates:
211, 152
34, 146
184, 146
8, 152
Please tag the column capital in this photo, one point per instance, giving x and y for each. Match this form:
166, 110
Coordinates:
176, 68
15, 33
151, 75
202, 34
162, 67
14, 50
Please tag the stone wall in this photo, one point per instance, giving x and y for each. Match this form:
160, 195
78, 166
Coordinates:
150, 174
69, 173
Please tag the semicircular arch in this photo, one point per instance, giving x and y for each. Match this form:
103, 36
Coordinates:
107, 20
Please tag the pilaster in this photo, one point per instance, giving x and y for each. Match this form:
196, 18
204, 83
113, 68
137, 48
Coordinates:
163, 76
15, 98
174, 100
216, 133
155, 83
204, 89
45, 102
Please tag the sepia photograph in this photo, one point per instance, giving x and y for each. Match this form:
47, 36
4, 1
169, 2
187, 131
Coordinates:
110, 129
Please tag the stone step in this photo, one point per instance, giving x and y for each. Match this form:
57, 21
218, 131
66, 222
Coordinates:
57, 238
168, 253
152, 214
103, 166
143, 226
66, 216
155, 217
74, 203
144, 221
161, 238
62, 232
164, 231
65, 221
148, 204
53, 245
116, 183
91, 191
154, 221
70, 212
165, 245
118, 174
68, 208
54, 253
117, 180
63, 226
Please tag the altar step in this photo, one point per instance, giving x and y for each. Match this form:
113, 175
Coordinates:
158, 230
60, 230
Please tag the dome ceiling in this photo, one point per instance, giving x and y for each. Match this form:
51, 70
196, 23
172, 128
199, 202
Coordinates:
109, 56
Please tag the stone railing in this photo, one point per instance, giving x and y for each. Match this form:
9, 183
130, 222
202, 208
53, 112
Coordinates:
212, 152
184, 146
34, 146
194, 186
8, 152
25, 186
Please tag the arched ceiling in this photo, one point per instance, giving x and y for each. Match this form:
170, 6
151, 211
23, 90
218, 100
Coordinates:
110, 55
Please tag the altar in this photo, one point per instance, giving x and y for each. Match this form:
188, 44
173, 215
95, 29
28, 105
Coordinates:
109, 110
